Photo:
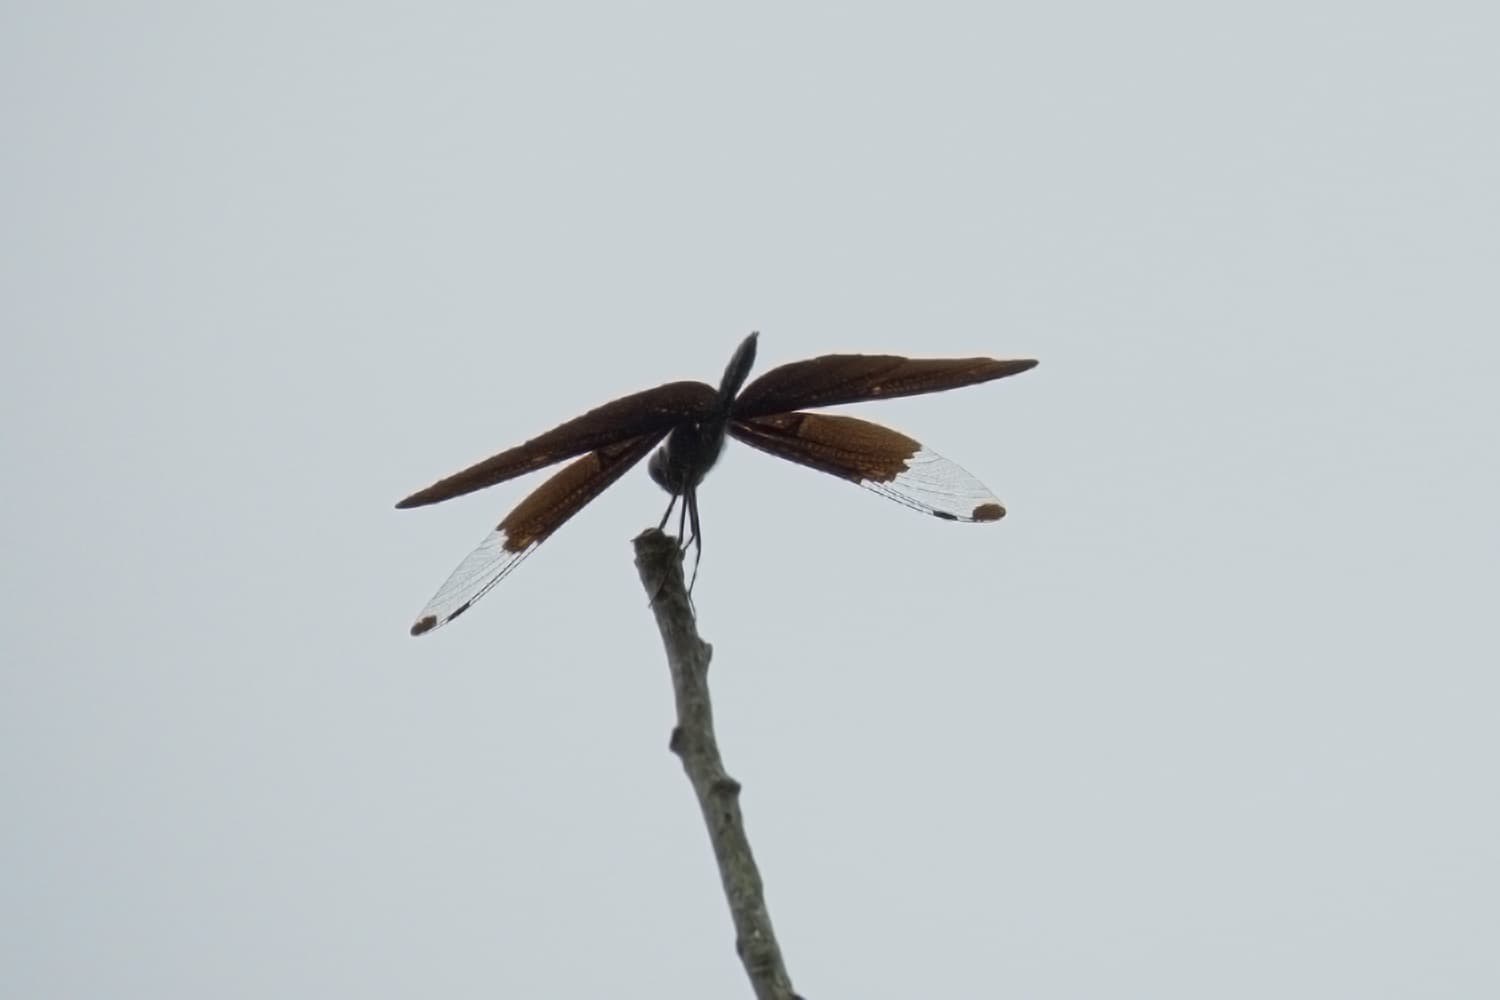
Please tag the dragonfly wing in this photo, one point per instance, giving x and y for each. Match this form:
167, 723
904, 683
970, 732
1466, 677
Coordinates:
853, 378
653, 410
530, 524
875, 457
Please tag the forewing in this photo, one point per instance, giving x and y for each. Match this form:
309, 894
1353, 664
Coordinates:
630, 416
877, 458
852, 378
529, 525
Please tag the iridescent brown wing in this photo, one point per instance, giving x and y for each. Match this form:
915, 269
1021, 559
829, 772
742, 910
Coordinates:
646, 412
529, 525
853, 378
875, 457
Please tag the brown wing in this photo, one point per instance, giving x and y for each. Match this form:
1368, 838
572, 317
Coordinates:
853, 378
529, 525
646, 412
877, 458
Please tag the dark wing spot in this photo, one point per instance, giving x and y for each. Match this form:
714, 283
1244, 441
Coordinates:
988, 512
426, 624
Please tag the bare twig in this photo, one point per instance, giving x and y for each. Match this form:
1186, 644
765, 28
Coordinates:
659, 563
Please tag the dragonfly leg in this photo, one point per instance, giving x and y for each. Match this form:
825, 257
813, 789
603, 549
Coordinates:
697, 539
682, 522
673, 503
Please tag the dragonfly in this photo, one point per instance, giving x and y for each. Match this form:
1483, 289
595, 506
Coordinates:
689, 421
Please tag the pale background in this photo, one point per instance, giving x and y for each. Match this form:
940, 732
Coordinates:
1212, 714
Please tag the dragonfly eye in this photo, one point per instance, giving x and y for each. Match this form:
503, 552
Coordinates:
659, 469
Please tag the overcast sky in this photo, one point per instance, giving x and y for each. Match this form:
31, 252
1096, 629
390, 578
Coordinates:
1213, 713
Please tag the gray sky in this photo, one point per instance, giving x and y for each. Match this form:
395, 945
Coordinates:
1212, 713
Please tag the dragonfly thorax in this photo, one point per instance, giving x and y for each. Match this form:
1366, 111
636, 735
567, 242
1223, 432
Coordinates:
690, 451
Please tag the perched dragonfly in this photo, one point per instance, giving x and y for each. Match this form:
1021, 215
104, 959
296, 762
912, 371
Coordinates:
693, 418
